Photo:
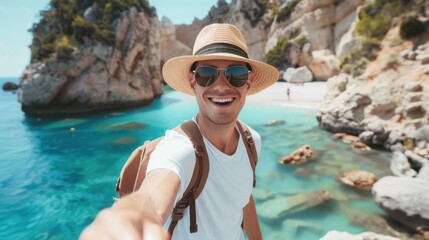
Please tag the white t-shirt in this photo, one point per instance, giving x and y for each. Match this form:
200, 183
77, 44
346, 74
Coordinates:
219, 208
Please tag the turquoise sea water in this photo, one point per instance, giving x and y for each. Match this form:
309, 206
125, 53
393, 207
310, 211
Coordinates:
53, 180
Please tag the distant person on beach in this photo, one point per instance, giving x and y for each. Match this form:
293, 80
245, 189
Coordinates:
288, 93
220, 75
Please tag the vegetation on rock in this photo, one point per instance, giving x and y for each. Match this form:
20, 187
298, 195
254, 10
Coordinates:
280, 14
277, 56
285, 12
67, 23
411, 27
374, 22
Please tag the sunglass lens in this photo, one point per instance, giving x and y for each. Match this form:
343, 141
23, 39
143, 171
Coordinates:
237, 75
205, 76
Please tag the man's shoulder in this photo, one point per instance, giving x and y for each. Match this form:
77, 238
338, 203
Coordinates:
174, 146
174, 138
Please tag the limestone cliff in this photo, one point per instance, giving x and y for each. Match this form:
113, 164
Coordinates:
170, 45
306, 25
98, 74
389, 101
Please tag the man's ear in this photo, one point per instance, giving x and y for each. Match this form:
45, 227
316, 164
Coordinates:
191, 80
250, 80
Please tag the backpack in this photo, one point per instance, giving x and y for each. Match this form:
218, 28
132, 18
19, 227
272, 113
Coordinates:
134, 170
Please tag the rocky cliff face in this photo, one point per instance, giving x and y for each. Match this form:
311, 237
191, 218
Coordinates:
389, 102
309, 26
323, 23
170, 45
99, 76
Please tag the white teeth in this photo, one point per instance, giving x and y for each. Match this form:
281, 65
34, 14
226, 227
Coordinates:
222, 100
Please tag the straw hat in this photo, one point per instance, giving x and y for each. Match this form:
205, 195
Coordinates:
218, 41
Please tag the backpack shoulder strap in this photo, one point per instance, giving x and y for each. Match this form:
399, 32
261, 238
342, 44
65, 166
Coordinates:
250, 147
198, 180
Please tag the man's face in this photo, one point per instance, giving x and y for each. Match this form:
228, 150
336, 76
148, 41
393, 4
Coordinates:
220, 103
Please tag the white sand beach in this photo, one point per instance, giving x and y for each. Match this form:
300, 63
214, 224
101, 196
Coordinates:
309, 95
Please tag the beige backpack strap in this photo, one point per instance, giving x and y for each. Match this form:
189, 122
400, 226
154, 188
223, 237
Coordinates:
250, 147
198, 180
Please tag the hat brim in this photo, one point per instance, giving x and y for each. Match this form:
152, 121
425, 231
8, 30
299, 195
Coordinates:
175, 71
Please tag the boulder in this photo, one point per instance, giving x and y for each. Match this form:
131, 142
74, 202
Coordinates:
400, 166
346, 138
377, 127
275, 122
366, 136
324, 65
298, 75
404, 199
282, 206
360, 147
350, 139
299, 156
10, 86
358, 179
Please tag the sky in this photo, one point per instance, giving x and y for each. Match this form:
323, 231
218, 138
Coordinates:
17, 16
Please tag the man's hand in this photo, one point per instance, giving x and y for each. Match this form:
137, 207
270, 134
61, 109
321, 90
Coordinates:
140, 215
113, 223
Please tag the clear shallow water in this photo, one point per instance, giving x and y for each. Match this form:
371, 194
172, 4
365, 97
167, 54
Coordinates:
53, 181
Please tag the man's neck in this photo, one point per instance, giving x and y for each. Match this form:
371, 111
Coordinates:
223, 136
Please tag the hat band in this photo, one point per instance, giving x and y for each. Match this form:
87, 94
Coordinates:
222, 48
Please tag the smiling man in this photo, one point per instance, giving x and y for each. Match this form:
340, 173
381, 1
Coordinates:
220, 75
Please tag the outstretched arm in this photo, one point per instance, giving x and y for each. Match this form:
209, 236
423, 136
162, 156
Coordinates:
250, 222
140, 215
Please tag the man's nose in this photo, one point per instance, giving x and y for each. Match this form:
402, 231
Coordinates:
222, 83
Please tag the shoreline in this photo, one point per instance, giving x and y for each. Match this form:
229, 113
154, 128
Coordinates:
308, 95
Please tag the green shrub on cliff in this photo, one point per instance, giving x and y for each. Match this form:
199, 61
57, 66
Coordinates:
374, 27
82, 29
64, 48
411, 27
62, 26
355, 63
285, 12
277, 56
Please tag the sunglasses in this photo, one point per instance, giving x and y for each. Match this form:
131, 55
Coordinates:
237, 76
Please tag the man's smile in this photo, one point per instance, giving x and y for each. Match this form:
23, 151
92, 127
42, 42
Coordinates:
222, 101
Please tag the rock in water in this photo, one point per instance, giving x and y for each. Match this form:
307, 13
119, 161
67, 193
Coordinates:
98, 75
10, 86
280, 207
405, 199
299, 156
361, 180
